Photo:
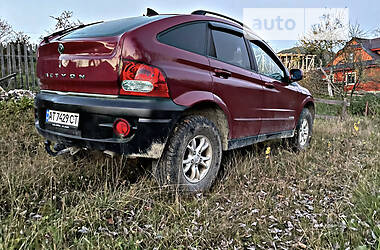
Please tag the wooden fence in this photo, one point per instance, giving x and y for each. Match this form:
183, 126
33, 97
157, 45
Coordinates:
18, 66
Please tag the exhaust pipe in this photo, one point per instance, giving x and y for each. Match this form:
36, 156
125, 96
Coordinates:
64, 150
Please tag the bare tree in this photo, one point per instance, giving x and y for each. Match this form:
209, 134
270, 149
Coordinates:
323, 40
5, 30
20, 37
355, 30
65, 20
376, 32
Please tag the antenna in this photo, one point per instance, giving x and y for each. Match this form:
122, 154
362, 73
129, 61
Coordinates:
151, 12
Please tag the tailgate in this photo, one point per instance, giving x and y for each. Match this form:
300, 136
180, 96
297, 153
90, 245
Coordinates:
82, 65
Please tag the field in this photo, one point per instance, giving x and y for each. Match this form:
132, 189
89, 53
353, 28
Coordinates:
325, 197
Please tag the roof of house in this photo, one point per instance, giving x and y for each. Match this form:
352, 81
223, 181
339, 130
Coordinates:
368, 45
294, 50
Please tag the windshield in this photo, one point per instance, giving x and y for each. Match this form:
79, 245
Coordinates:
111, 28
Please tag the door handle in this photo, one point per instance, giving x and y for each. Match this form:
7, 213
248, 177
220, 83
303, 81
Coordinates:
222, 73
269, 85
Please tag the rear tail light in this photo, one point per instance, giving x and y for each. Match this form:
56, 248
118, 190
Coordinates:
143, 80
121, 127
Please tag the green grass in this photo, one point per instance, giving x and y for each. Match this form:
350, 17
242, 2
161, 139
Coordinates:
328, 109
325, 197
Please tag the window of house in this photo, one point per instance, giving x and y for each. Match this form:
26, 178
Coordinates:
351, 57
351, 78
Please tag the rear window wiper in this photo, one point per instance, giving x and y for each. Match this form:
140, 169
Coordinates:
64, 31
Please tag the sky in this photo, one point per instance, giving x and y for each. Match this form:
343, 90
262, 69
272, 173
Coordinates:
32, 16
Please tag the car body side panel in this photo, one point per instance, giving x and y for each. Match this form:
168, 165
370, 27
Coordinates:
187, 72
280, 106
243, 97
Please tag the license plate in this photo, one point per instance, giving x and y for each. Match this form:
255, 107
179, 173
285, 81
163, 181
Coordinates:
62, 119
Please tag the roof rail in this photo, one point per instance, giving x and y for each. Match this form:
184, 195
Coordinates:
204, 12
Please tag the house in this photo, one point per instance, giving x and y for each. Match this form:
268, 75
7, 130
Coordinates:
358, 62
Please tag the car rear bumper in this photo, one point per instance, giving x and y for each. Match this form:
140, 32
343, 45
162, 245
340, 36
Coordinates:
151, 121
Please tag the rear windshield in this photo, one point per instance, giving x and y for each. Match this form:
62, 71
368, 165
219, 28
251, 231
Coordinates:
111, 28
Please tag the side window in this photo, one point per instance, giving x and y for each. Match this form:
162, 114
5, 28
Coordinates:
190, 37
230, 48
265, 64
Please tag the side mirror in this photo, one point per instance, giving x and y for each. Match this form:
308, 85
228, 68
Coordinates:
296, 75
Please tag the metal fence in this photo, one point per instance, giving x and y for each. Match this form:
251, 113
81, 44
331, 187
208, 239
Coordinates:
18, 66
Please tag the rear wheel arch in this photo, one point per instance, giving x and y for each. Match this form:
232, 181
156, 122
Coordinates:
214, 113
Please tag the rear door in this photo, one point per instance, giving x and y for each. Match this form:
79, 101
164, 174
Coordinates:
182, 56
233, 79
280, 98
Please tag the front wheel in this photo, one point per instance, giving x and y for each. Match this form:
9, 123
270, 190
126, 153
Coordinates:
303, 132
192, 157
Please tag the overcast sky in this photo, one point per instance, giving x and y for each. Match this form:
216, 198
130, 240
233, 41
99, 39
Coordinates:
32, 16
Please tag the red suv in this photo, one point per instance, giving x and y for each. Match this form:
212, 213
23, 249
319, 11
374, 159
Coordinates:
176, 88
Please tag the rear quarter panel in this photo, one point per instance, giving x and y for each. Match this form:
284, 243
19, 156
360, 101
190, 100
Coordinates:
185, 71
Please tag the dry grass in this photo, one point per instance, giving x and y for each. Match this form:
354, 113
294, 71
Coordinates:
326, 197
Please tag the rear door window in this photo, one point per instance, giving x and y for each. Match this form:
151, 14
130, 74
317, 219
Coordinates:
190, 37
230, 48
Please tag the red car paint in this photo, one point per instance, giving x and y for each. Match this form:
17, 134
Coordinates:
253, 104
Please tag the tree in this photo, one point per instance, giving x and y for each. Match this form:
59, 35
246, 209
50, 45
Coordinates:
20, 38
5, 30
65, 20
323, 40
7, 34
376, 32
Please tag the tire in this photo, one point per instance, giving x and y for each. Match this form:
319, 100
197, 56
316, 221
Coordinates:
194, 145
303, 132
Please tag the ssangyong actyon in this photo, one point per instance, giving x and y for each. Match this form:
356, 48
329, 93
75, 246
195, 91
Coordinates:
180, 89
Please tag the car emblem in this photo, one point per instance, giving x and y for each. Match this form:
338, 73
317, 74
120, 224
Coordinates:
61, 48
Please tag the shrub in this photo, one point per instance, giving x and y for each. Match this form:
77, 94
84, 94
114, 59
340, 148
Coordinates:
16, 106
314, 83
358, 105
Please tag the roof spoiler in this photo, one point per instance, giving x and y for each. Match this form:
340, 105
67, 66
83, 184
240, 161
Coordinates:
46, 39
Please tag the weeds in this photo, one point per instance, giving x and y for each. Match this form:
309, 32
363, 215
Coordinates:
265, 197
